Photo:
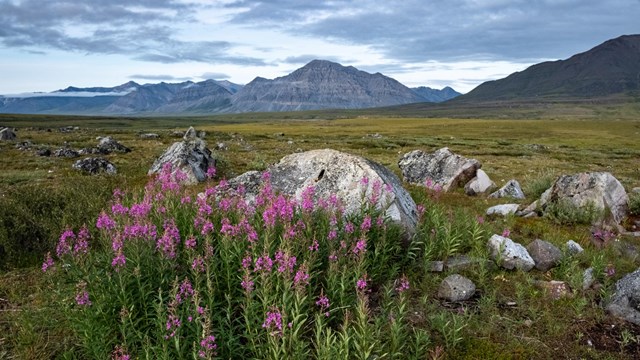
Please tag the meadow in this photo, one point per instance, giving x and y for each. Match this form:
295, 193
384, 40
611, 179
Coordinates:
336, 287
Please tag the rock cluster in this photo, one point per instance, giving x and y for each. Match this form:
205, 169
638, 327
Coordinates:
94, 165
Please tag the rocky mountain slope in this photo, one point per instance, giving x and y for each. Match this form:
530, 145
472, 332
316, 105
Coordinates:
435, 95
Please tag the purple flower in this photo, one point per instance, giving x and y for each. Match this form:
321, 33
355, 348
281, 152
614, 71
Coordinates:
247, 283
82, 298
366, 224
119, 209
185, 291
360, 247
167, 244
506, 233
285, 262
211, 172
333, 234
323, 304
105, 222
307, 198
314, 246
273, 322
361, 284
190, 243
364, 181
48, 263
198, 264
263, 263
64, 244
403, 284
333, 257
120, 354
207, 228
208, 346
301, 278
246, 262
140, 210
480, 219
118, 261
82, 243
349, 228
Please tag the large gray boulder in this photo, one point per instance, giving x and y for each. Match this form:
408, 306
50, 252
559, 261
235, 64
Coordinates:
511, 189
107, 145
544, 254
508, 254
93, 166
625, 302
456, 288
481, 184
190, 156
7, 134
599, 189
331, 172
443, 168
503, 209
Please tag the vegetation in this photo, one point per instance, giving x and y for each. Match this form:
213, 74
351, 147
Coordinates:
124, 291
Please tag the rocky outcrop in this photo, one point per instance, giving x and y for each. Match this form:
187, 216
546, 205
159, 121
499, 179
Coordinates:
108, 145
599, 190
625, 302
481, 184
190, 156
508, 254
352, 179
7, 134
544, 254
456, 288
66, 152
93, 166
442, 168
511, 189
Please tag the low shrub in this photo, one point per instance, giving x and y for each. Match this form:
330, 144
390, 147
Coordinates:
564, 212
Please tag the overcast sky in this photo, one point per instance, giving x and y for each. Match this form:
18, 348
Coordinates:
47, 44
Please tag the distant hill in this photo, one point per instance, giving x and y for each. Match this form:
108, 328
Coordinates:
435, 95
612, 67
322, 84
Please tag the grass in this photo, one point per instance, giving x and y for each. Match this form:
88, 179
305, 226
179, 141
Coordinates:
39, 197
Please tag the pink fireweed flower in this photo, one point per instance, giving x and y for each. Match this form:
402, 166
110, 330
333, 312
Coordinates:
333, 234
263, 263
82, 298
247, 284
333, 257
420, 210
227, 228
314, 246
376, 191
380, 222
361, 284
307, 198
120, 354
185, 200
190, 242
246, 262
360, 247
506, 233
119, 209
140, 210
105, 222
173, 323
403, 284
364, 181
224, 205
323, 304
301, 278
207, 228
64, 243
480, 219
118, 261
185, 291
349, 228
273, 322
211, 172
167, 244
82, 242
208, 346
198, 264
285, 262
48, 263
610, 270
366, 224
118, 194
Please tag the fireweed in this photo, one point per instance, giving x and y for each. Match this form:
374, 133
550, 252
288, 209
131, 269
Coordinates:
168, 274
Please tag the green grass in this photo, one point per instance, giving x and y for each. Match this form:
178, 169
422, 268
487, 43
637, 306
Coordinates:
40, 196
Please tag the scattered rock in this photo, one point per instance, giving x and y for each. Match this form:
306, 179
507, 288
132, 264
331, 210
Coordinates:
625, 301
443, 168
107, 145
222, 146
373, 136
66, 152
588, 279
510, 189
544, 254
93, 166
456, 288
555, 289
88, 151
149, 136
636, 190
599, 189
481, 184
509, 254
503, 210
7, 134
573, 248
190, 156
43, 152
24, 145
340, 174
435, 266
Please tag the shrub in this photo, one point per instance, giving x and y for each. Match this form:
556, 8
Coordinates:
566, 213
535, 186
634, 204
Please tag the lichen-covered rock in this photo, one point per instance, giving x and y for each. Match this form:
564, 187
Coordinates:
600, 190
94, 165
481, 184
503, 209
573, 248
66, 152
7, 134
443, 168
508, 254
511, 189
456, 288
108, 145
625, 302
351, 179
544, 254
190, 156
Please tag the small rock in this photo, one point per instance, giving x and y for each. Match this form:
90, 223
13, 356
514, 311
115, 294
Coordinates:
43, 152
456, 288
509, 254
503, 210
7, 134
221, 146
544, 254
444, 168
626, 297
481, 184
587, 278
149, 136
435, 266
95, 166
511, 189
573, 248
65, 152
555, 289
107, 145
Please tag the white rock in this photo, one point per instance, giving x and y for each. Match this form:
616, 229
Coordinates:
509, 254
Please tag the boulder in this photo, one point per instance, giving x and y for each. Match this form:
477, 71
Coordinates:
503, 210
625, 302
456, 288
598, 189
190, 156
443, 168
481, 184
94, 165
66, 152
508, 254
511, 189
43, 152
573, 248
544, 254
107, 145
334, 173
7, 134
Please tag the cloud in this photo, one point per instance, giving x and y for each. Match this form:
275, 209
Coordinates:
158, 77
214, 75
146, 30
304, 59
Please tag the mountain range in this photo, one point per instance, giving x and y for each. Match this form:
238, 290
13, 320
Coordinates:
319, 84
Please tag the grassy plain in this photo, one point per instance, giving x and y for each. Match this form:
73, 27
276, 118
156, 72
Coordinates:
48, 195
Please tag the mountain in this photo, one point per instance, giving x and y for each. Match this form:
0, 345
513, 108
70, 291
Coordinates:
322, 84
435, 95
612, 67
206, 96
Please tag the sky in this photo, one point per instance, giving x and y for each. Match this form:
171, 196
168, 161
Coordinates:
47, 45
